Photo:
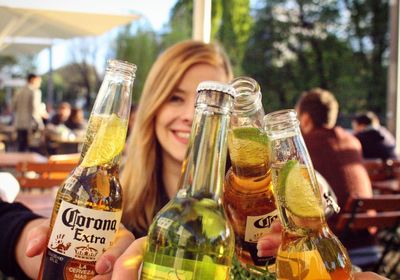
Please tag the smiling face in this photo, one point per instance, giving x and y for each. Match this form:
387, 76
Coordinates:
174, 118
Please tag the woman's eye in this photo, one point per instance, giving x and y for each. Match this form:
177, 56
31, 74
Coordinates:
176, 98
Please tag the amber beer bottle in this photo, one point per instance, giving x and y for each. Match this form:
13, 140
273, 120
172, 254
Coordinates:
248, 198
88, 206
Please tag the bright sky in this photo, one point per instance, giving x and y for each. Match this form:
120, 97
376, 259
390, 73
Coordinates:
155, 11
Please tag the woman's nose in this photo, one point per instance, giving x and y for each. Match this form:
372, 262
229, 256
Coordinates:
188, 113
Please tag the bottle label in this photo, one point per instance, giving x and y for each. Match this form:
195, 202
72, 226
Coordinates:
256, 226
201, 270
82, 233
152, 271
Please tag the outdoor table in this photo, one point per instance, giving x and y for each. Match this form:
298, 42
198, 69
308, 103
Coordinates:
40, 202
10, 159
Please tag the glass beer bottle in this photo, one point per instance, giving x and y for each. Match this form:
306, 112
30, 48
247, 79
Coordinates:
247, 197
309, 250
190, 237
88, 205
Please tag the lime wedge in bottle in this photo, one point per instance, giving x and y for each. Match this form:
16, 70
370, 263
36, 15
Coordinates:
248, 146
108, 142
296, 191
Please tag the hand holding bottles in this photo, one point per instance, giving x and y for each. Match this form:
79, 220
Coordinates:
35, 237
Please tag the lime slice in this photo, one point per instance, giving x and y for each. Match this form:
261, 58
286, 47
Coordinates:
297, 192
108, 142
248, 146
251, 134
212, 222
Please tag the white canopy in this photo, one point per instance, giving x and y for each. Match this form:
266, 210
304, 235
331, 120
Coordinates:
54, 19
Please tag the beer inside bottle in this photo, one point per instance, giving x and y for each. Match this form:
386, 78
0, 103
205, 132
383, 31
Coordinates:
248, 198
309, 249
88, 206
190, 238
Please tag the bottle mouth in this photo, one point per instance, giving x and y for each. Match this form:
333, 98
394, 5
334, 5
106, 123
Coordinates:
247, 94
122, 67
281, 120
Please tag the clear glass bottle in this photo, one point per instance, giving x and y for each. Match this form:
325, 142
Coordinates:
309, 249
248, 198
88, 206
190, 238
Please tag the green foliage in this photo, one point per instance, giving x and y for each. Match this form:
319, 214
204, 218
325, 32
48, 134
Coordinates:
180, 24
297, 45
238, 272
140, 48
234, 30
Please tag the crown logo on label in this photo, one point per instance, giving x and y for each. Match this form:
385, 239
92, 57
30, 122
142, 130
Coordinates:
87, 253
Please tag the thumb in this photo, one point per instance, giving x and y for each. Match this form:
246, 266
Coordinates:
37, 239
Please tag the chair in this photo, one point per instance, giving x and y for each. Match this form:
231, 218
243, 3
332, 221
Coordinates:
42, 175
65, 158
378, 170
381, 212
384, 175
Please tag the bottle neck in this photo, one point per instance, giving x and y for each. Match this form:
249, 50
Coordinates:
110, 112
204, 166
287, 144
247, 149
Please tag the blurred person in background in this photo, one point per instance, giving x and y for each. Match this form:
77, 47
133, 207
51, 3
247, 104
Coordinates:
335, 153
26, 106
376, 140
76, 120
62, 114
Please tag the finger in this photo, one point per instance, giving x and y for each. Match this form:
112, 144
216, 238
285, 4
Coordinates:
127, 266
276, 226
268, 244
103, 276
37, 239
368, 276
106, 261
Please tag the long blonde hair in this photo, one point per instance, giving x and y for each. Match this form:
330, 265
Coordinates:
141, 175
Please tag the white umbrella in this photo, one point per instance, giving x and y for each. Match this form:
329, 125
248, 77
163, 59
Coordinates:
28, 26
56, 19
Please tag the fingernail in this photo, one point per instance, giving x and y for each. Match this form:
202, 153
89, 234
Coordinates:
106, 266
263, 244
31, 244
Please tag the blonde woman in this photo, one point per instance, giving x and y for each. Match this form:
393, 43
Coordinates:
158, 143
155, 151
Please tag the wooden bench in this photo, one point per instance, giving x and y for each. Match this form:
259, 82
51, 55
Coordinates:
384, 175
380, 211
42, 175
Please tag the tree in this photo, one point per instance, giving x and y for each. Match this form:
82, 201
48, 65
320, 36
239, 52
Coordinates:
234, 28
231, 26
140, 48
301, 44
83, 58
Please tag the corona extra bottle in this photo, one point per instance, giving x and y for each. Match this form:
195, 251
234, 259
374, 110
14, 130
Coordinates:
309, 250
88, 205
248, 198
190, 238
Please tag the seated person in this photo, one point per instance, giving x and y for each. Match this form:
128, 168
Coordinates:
62, 114
376, 140
335, 153
77, 123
